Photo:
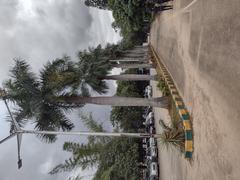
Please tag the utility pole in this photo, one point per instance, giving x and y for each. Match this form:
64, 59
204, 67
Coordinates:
16, 130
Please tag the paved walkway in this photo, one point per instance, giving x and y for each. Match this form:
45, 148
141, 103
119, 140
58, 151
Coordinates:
199, 42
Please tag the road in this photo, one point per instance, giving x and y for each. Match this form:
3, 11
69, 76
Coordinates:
199, 42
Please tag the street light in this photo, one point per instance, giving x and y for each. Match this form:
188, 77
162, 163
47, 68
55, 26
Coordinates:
16, 130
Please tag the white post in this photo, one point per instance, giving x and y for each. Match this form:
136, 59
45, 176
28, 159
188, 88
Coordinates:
85, 133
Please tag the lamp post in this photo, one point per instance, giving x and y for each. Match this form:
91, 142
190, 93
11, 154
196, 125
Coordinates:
16, 130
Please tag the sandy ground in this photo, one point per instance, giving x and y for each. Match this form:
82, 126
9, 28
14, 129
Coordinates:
199, 42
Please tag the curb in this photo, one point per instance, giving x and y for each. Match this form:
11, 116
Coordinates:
178, 101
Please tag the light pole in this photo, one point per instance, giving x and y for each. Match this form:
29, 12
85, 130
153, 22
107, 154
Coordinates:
16, 130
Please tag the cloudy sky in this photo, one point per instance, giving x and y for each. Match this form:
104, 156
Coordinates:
39, 31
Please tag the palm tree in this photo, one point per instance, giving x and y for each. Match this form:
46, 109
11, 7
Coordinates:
135, 50
101, 4
62, 74
141, 47
132, 55
161, 102
132, 65
172, 135
62, 85
92, 67
92, 63
32, 96
131, 77
109, 155
132, 60
115, 53
83, 155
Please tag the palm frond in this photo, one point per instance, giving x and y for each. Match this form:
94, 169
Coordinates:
91, 66
67, 166
72, 164
93, 126
23, 85
59, 75
164, 126
173, 138
61, 100
23, 90
90, 123
90, 150
51, 118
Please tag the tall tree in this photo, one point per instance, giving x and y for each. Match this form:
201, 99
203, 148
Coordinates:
89, 71
96, 63
128, 118
161, 102
33, 96
83, 155
63, 85
101, 4
115, 158
132, 65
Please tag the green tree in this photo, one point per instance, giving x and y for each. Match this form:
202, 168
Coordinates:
83, 155
101, 4
128, 118
33, 96
63, 85
119, 160
93, 69
116, 158
130, 17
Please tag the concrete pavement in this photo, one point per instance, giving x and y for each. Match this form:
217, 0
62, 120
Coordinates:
199, 42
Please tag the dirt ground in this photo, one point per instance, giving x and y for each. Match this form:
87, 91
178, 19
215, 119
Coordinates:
199, 42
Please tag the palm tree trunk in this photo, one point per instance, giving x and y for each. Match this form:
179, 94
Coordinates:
145, 65
142, 59
140, 47
132, 55
131, 77
144, 48
125, 60
137, 52
161, 102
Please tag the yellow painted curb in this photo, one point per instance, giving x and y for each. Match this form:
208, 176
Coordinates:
179, 103
187, 125
182, 110
189, 146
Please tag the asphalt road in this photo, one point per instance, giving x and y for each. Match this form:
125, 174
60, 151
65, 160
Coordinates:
199, 42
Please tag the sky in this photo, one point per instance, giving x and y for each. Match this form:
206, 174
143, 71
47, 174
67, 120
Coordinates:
39, 31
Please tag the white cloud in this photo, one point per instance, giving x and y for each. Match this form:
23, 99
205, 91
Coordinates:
26, 9
101, 27
39, 31
44, 168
